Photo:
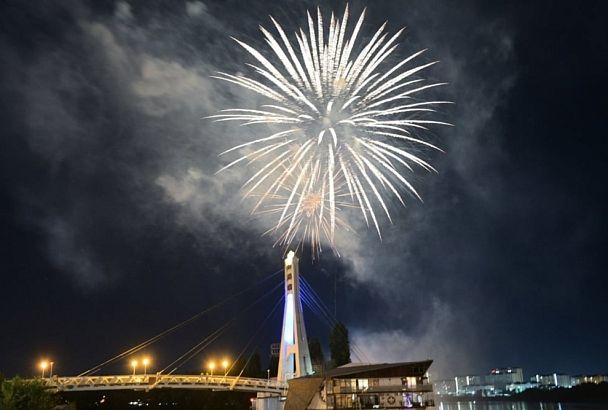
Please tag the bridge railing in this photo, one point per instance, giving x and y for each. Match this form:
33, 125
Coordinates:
151, 381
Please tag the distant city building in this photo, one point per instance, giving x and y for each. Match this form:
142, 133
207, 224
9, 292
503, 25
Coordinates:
445, 387
463, 384
552, 380
509, 380
596, 379
492, 384
515, 388
485, 390
275, 349
501, 377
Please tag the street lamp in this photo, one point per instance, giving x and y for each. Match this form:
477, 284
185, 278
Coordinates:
211, 366
146, 362
225, 366
134, 365
43, 365
268, 371
51, 369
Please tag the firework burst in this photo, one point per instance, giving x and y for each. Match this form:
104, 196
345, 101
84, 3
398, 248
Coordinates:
342, 121
307, 216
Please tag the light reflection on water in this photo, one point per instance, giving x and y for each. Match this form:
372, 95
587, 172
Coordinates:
517, 405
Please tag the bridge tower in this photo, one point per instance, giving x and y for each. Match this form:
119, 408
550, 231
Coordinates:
294, 357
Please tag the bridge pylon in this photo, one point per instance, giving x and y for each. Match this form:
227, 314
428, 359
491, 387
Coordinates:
294, 357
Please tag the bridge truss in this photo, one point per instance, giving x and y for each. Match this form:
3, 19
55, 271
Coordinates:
165, 381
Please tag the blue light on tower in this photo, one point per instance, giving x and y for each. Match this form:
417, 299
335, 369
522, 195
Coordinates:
289, 317
294, 357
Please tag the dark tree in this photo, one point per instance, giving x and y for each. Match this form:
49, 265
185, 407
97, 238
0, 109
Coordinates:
19, 394
273, 365
339, 345
254, 368
316, 353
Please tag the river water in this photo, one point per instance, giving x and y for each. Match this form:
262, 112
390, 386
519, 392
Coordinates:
518, 405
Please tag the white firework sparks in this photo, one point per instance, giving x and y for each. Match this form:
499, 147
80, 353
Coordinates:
308, 216
342, 127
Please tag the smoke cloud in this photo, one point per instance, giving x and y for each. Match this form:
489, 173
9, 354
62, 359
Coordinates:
111, 108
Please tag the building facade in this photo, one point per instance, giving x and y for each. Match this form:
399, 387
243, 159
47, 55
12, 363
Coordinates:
275, 349
500, 378
549, 381
596, 379
515, 388
492, 384
466, 385
371, 386
445, 387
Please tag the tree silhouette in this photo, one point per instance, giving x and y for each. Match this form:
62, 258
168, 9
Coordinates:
19, 394
316, 353
273, 365
339, 345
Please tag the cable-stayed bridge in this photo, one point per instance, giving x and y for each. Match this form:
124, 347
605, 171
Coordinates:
294, 357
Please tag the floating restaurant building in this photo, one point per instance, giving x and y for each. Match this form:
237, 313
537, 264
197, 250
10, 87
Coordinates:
363, 386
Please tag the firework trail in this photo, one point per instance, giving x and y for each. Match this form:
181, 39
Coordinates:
342, 121
308, 218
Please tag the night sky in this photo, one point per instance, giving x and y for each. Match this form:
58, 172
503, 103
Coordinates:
114, 226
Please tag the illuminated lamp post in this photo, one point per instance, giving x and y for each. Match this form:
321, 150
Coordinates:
146, 362
43, 365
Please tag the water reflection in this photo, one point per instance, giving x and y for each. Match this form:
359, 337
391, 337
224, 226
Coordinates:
519, 405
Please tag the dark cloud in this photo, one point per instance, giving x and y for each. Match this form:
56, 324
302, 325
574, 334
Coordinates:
112, 210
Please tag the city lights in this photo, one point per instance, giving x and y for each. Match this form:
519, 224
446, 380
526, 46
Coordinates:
214, 364
146, 362
43, 365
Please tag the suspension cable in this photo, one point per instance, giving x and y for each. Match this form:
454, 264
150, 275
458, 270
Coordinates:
326, 315
202, 345
184, 358
260, 327
178, 326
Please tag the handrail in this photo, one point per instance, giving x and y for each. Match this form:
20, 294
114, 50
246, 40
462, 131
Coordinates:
151, 381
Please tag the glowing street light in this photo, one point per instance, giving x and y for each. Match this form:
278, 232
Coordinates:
134, 365
146, 362
43, 365
51, 369
225, 366
211, 366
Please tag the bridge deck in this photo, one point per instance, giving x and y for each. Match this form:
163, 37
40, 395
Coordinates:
172, 381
